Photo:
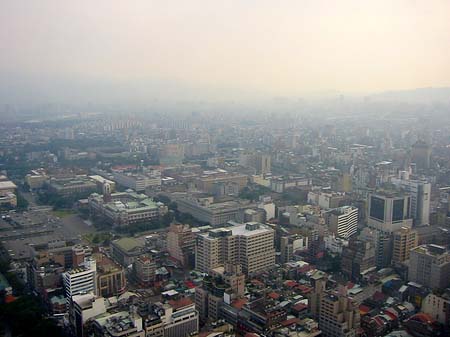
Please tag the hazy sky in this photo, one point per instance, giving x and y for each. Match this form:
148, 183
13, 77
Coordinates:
277, 47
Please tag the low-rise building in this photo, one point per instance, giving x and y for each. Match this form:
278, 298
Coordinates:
7, 192
78, 185
207, 211
36, 179
122, 323
125, 208
126, 250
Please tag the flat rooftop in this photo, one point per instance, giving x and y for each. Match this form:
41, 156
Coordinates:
7, 185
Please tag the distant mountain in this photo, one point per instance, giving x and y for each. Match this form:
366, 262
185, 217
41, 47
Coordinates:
419, 95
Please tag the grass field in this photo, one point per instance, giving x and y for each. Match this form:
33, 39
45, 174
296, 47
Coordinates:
62, 213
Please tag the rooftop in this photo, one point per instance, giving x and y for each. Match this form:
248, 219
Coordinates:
127, 244
7, 185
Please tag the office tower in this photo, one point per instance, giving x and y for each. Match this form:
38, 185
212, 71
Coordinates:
421, 154
404, 239
251, 245
389, 210
81, 280
181, 243
343, 221
429, 265
420, 192
338, 314
358, 257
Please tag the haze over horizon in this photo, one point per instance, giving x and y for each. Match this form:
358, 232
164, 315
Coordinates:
140, 50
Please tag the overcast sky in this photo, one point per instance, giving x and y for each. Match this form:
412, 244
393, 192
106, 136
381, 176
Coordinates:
278, 47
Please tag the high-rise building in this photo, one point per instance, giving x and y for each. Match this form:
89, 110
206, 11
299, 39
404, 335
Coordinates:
171, 154
343, 221
389, 210
181, 244
83, 308
220, 287
258, 161
111, 280
81, 280
251, 245
339, 316
429, 265
144, 270
383, 245
420, 192
404, 240
421, 154
358, 257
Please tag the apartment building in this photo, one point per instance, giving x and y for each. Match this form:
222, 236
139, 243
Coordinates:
404, 240
429, 265
251, 245
181, 243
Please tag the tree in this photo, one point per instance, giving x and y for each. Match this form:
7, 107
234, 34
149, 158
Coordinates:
25, 317
22, 203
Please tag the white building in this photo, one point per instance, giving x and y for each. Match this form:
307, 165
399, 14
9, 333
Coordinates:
334, 244
80, 280
138, 181
83, 308
343, 221
437, 307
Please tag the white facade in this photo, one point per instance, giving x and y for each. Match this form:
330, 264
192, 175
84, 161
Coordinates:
80, 280
345, 221
436, 306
